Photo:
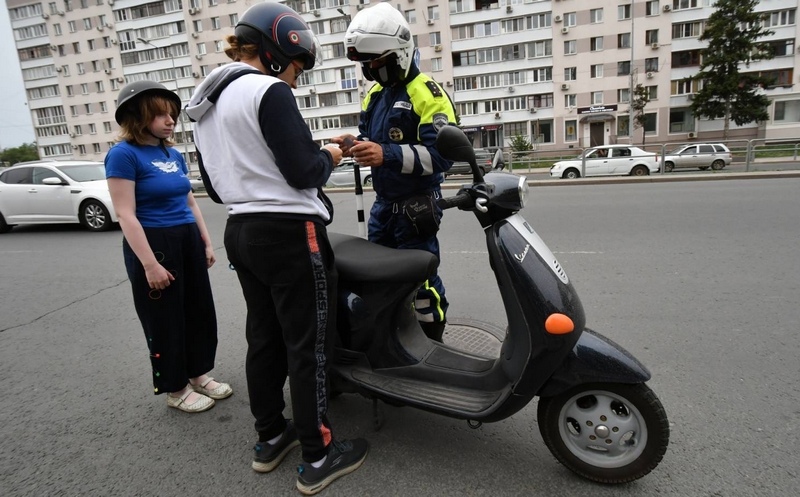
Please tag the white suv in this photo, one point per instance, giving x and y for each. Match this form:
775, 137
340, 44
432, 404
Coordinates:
53, 192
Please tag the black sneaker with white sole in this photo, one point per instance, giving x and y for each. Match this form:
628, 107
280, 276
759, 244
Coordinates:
344, 456
268, 457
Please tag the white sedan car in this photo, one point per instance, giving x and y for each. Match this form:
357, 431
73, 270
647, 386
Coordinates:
344, 175
608, 160
53, 192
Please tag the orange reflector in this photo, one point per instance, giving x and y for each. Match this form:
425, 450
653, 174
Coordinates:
559, 324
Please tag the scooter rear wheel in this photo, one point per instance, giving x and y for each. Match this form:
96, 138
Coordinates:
605, 432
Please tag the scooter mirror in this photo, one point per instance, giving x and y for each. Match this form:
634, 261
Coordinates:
454, 145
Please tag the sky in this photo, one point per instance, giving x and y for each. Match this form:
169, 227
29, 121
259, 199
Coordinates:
15, 120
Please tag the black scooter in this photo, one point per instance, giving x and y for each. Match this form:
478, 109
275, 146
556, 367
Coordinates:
595, 412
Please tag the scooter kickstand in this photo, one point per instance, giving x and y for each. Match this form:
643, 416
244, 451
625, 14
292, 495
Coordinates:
377, 415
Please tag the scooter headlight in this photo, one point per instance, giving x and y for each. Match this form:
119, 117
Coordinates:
509, 191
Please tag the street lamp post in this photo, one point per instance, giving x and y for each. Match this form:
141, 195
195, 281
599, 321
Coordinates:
175, 79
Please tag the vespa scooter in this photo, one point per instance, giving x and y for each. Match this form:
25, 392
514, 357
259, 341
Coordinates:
595, 412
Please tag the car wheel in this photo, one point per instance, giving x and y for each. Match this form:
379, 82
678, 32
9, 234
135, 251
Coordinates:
94, 216
717, 165
669, 166
368, 180
571, 174
703, 168
640, 171
4, 226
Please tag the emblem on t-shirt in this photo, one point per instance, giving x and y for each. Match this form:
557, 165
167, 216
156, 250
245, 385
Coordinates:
395, 134
167, 167
439, 121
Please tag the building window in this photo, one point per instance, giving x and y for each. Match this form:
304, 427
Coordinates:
686, 30
681, 120
623, 68
570, 73
651, 64
570, 101
571, 130
624, 40
215, 24
596, 71
597, 97
686, 58
650, 123
651, 36
683, 86
570, 47
596, 43
624, 12
570, 19
652, 8
684, 4
780, 18
624, 95
595, 16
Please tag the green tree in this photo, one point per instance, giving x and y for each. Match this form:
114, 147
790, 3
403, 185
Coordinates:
733, 32
25, 152
639, 100
520, 144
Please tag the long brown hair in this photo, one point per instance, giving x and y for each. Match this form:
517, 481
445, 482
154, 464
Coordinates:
142, 111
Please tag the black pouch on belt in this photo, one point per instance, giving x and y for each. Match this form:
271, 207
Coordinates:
421, 211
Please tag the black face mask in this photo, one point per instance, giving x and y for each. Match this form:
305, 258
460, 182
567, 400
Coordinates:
389, 75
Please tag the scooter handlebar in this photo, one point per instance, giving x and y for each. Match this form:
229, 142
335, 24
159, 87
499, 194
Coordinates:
462, 201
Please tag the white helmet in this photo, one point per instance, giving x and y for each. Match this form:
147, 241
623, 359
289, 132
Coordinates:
377, 32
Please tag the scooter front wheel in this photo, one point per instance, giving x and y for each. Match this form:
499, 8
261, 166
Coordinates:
606, 432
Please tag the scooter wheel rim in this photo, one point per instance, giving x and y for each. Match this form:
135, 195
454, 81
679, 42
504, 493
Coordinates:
603, 429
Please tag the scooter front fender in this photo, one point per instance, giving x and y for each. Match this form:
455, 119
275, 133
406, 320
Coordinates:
594, 358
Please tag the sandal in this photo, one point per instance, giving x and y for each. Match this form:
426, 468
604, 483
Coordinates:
202, 404
223, 391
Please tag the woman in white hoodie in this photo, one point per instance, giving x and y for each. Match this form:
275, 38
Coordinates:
259, 159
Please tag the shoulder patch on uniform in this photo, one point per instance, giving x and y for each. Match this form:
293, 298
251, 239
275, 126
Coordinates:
434, 88
440, 121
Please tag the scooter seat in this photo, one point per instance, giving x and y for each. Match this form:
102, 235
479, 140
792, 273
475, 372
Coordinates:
358, 259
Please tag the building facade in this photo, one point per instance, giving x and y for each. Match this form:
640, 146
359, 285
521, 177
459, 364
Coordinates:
557, 72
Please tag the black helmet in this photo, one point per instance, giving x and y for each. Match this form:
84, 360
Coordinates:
132, 91
281, 35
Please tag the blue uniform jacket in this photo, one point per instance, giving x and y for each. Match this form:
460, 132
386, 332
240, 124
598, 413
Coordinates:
405, 121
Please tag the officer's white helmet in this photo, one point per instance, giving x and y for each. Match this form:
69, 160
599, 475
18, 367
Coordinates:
378, 32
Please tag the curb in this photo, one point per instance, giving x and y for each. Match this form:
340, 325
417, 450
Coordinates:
656, 178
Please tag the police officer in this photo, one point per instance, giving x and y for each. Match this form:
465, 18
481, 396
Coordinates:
400, 118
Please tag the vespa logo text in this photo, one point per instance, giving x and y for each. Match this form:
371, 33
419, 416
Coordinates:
521, 257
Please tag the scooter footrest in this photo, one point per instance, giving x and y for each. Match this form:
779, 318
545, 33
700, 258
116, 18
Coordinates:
430, 395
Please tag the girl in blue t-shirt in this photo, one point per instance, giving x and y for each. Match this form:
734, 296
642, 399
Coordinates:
166, 247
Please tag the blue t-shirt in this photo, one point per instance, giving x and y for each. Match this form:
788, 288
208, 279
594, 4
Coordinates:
162, 186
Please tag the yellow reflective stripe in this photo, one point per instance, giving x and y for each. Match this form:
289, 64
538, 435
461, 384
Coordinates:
438, 307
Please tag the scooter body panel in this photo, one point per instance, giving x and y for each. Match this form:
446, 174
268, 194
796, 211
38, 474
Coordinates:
595, 358
533, 286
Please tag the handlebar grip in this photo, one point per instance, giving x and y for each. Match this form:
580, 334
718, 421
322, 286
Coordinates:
462, 201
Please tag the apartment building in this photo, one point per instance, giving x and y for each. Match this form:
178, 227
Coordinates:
558, 72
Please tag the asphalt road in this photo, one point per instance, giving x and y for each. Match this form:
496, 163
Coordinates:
699, 280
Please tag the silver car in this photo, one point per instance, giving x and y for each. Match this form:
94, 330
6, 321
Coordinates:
701, 156
344, 175
51, 192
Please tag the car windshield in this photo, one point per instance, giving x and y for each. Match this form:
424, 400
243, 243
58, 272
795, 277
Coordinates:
84, 172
